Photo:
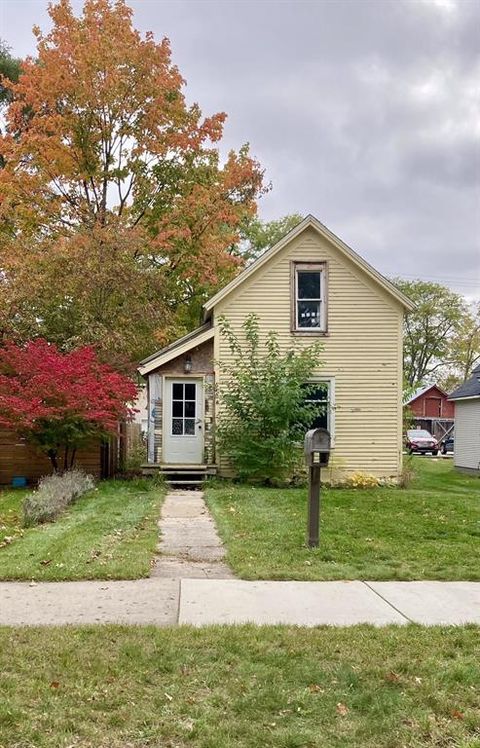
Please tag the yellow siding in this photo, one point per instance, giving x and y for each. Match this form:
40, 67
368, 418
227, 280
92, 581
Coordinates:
363, 348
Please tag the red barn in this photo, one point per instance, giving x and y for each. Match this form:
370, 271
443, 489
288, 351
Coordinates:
432, 411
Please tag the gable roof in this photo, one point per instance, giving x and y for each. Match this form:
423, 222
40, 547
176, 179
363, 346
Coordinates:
182, 345
470, 388
310, 222
423, 390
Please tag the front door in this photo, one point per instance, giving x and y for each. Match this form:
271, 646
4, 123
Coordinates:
183, 422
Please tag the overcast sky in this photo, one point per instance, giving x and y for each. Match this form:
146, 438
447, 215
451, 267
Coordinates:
365, 113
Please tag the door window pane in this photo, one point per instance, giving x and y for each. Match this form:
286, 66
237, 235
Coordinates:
177, 391
189, 392
190, 426
189, 409
177, 409
177, 426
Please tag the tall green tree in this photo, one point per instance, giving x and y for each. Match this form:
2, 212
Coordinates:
432, 330
116, 205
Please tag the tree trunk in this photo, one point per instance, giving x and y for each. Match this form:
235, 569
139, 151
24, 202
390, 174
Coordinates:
72, 458
52, 455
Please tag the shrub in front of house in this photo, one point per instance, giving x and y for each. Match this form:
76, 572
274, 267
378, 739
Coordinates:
264, 409
53, 494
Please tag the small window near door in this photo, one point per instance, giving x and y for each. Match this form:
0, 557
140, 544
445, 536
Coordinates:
184, 407
309, 311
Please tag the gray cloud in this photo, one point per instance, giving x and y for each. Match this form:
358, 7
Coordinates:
363, 112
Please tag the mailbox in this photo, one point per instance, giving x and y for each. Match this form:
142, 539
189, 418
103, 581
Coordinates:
317, 447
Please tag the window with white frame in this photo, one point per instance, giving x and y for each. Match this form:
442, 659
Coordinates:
321, 394
310, 301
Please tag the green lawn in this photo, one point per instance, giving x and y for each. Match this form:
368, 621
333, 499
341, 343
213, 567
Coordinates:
239, 687
429, 531
110, 533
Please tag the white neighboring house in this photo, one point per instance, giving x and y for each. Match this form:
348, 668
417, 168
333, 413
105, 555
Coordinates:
467, 424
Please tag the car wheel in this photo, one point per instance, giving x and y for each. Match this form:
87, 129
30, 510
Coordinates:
435, 452
410, 451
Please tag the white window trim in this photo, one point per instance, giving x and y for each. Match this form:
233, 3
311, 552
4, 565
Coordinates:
313, 268
331, 409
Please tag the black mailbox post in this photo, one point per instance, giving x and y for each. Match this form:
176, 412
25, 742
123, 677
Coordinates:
317, 455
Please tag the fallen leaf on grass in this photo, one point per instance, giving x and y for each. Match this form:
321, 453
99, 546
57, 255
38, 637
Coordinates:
342, 709
46, 561
392, 677
456, 714
315, 688
54, 684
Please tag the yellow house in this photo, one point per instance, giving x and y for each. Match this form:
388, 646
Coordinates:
309, 286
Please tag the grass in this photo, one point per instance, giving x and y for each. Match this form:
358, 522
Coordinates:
430, 530
240, 687
110, 533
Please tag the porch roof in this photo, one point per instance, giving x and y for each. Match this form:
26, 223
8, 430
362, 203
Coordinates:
182, 345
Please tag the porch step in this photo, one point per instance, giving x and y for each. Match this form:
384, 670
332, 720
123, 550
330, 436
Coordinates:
183, 471
173, 482
181, 475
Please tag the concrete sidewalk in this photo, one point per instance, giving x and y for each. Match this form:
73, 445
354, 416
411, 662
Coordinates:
205, 602
199, 602
141, 601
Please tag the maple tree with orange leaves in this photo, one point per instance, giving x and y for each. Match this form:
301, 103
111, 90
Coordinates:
118, 215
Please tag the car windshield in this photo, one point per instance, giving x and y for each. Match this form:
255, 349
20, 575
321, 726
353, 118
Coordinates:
419, 433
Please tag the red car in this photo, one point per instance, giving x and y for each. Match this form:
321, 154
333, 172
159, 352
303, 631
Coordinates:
420, 440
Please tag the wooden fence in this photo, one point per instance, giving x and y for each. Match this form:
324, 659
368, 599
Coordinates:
17, 458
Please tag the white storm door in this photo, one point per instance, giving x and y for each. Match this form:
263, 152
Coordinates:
183, 421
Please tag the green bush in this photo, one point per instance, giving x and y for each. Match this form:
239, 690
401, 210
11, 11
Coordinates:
263, 414
54, 493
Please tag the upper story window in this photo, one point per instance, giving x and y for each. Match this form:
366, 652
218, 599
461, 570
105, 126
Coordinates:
310, 298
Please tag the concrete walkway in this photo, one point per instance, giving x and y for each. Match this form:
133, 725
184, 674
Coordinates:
189, 544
